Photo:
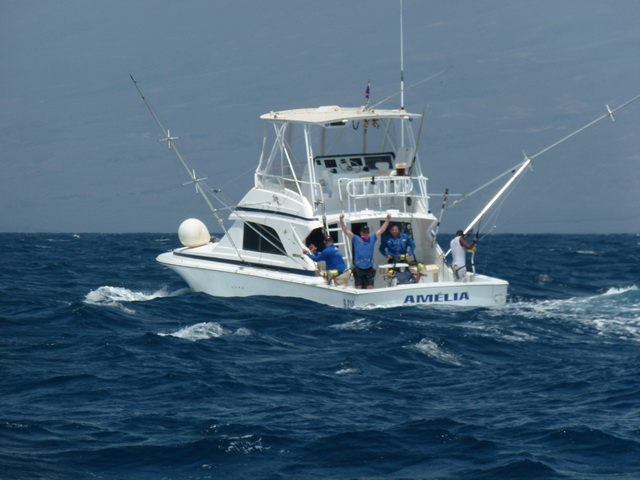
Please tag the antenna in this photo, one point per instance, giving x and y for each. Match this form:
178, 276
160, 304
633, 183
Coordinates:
426, 79
401, 60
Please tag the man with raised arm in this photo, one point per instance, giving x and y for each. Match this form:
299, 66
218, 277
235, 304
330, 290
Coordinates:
363, 247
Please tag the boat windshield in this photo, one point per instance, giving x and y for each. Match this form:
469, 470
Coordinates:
365, 143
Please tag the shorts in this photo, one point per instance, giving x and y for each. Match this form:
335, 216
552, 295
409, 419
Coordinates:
364, 277
460, 273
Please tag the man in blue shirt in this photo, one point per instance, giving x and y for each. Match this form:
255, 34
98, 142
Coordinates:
363, 245
397, 244
330, 255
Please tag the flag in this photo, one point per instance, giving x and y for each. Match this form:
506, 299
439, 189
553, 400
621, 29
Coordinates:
366, 92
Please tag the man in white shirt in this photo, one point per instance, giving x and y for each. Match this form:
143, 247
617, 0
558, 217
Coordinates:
459, 247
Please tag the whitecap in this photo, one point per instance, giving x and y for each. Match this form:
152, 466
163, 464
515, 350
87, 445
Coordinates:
497, 333
117, 296
110, 295
435, 351
243, 332
517, 336
347, 371
619, 291
357, 324
199, 331
246, 444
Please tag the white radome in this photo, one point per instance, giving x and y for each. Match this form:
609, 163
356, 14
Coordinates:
193, 233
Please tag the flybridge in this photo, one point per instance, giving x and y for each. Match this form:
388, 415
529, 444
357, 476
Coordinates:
340, 159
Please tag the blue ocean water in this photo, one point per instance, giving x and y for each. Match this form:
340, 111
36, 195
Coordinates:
112, 369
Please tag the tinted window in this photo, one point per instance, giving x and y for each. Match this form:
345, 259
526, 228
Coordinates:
260, 238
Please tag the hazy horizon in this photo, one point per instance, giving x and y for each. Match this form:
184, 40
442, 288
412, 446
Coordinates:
81, 153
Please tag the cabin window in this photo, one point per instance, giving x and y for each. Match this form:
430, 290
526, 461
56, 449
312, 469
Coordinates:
260, 238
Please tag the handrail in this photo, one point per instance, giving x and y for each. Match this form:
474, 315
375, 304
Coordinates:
380, 189
378, 186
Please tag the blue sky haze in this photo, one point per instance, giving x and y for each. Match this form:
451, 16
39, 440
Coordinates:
80, 151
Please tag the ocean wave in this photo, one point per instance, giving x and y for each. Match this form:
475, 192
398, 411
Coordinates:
199, 331
244, 332
615, 312
620, 291
357, 324
347, 368
245, 444
347, 371
117, 296
544, 387
435, 351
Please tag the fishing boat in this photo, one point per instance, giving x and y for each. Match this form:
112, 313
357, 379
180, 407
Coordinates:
319, 165
316, 165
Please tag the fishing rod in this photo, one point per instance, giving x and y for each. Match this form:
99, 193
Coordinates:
442, 209
517, 170
474, 249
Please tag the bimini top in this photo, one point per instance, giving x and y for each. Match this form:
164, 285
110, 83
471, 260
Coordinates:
333, 115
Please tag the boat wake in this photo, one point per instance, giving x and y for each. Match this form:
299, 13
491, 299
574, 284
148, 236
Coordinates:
615, 312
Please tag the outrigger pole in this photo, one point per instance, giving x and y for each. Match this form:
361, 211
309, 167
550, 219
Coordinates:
190, 171
518, 169
198, 181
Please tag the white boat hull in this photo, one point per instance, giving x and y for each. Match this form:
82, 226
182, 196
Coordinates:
231, 280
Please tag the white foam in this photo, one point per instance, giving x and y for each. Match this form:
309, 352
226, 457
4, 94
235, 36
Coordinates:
619, 291
357, 324
435, 351
245, 444
347, 371
117, 296
615, 312
107, 295
199, 331
544, 278
244, 332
